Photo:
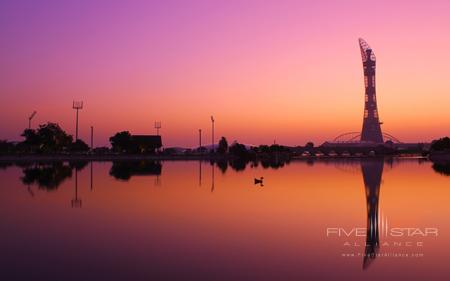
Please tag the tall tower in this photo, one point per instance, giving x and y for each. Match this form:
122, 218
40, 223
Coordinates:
371, 130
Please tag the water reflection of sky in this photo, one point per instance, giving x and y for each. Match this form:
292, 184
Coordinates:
160, 220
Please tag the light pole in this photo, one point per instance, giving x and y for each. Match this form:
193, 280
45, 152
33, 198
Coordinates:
77, 105
200, 140
212, 136
157, 127
92, 137
29, 119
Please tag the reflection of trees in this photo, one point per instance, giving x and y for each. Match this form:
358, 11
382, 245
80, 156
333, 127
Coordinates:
223, 165
273, 163
4, 165
240, 164
442, 168
46, 176
78, 165
124, 170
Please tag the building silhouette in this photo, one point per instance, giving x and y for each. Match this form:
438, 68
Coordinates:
371, 130
146, 143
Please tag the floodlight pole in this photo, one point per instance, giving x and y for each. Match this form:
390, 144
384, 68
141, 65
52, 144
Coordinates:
212, 135
200, 139
157, 127
77, 105
92, 137
76, 134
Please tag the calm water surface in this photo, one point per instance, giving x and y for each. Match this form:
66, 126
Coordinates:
311, 220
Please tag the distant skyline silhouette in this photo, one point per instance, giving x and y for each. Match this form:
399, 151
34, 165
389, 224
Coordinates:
283, 70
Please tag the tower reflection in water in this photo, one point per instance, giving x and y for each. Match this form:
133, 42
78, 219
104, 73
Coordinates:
372, 170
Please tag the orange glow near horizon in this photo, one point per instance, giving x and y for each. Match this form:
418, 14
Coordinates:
289, 73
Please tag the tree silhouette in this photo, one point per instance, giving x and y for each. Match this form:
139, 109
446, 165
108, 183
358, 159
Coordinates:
6, 147
53, 138
441, 144
121, 142
31, 137
79, 145
223, 146
47, 138
309, 145
238, 150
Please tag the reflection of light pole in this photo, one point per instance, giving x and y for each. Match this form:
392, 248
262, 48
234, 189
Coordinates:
92, 177
77, 105
157, 181
212, 136
212, 184
30, 191
76, 203
29, 119
200, 173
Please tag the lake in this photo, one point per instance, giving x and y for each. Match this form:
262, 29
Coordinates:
366, 219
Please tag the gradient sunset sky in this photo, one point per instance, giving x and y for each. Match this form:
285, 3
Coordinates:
284, 70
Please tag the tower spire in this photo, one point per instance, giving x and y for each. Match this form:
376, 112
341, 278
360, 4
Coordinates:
371, 130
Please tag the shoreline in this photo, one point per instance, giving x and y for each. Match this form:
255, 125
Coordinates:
440, 157
131, 157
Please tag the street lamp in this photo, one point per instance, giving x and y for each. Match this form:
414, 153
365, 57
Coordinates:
29, 119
